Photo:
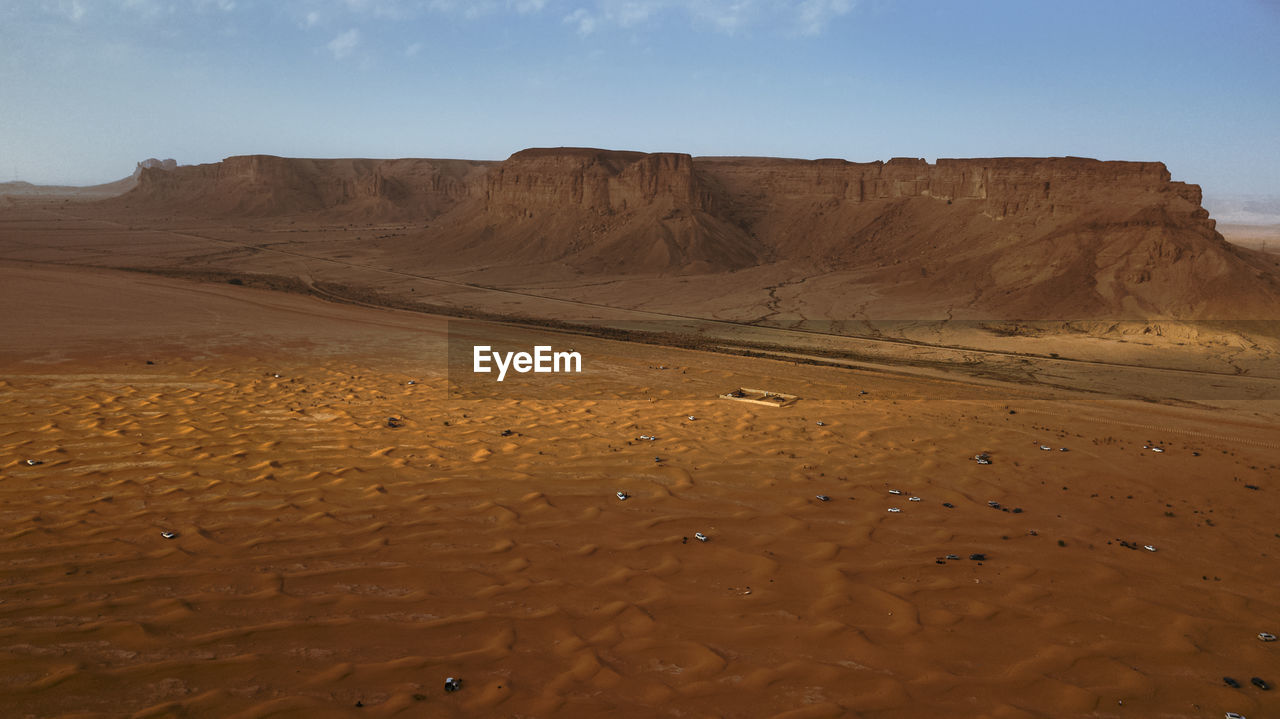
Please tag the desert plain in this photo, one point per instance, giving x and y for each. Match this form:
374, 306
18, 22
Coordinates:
238, 481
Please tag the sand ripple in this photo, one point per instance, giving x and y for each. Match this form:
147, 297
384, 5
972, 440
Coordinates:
326, 564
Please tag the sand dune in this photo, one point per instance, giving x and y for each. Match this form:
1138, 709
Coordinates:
327, 564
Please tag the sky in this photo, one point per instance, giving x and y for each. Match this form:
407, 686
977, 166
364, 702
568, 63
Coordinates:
90, 87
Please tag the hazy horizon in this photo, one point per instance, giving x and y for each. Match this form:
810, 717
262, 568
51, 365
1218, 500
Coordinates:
93, 88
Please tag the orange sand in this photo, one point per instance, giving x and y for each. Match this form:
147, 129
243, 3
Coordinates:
327, 565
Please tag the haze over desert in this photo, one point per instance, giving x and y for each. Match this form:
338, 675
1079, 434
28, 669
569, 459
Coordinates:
620, 392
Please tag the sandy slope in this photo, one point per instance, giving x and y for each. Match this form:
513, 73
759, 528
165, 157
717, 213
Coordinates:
328, 565
339, 262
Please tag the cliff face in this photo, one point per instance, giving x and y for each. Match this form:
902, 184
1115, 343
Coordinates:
597, 180
597, 211
264, 185
610, 182
1011, 237
1004, 186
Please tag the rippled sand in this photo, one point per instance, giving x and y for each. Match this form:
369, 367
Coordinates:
326, 564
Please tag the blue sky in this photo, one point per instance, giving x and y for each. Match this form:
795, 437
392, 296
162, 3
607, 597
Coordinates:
88, 87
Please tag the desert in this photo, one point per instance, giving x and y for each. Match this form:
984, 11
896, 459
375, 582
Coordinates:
539, 358
242, 480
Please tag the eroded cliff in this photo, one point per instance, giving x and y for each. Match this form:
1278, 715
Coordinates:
265, 185
1027, 237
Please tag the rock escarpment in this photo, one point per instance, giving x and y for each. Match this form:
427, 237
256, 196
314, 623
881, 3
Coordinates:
1006, 185
1026, 237
264, 185
1013, 237
598, 211
597, 180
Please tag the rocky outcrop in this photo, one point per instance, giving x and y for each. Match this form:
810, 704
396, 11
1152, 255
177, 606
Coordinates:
611, 182
153, 163
265, 185
1006, 186
598, 180
596, 211
1010, 237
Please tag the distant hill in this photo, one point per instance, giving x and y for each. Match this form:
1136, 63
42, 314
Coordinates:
90, 192
1001, 237
264, 186
153, 163
87, 192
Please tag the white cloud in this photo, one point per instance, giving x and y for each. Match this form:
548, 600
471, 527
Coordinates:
631, 12
146, 8
447, 6
727, 17
585, 17
405, 9
525, 7
622, 13
585, 21
77, 10
413, 49
813, 15
72, 10
343, 45
806, 17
